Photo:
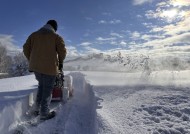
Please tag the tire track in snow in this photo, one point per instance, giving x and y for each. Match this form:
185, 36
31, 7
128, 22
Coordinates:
78, 116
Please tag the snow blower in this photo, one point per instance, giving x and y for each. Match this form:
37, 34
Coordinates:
63, 87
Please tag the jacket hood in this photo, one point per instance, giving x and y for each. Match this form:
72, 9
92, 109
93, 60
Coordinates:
48, 27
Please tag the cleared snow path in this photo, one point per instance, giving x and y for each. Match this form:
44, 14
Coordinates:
77, 116
81, 115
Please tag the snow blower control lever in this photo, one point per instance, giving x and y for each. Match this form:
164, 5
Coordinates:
59, 81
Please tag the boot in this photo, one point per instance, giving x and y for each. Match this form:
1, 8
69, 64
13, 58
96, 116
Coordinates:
50, 115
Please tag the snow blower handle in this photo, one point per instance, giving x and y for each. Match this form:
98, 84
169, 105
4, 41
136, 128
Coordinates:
61, 74
59, 81
61, 67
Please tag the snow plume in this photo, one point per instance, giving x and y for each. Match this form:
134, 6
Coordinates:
145, 66
130, 62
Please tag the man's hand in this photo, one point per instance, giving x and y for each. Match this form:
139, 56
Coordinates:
60, 66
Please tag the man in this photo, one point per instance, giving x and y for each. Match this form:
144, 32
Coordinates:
45, 51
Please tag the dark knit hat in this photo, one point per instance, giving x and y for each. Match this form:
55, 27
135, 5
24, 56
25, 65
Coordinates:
53, 23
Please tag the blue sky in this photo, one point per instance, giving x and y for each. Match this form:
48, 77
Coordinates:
90, 26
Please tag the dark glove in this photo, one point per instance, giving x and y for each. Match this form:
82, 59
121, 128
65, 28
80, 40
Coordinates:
60, 66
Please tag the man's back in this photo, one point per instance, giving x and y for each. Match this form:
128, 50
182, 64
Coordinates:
42, 49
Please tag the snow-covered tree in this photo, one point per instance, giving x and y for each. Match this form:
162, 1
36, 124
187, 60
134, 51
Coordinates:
5, 60
19, 65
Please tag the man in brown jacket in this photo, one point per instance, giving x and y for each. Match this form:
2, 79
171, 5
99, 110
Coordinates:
45, 51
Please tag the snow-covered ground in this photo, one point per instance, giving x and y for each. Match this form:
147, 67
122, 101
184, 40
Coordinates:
132, 104
107, 103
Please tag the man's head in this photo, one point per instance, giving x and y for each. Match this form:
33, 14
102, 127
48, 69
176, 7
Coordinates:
53, 23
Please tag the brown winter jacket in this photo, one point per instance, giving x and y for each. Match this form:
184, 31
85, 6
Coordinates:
44, 50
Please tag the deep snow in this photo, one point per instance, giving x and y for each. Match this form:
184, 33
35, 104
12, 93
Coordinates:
107, 103
132, 104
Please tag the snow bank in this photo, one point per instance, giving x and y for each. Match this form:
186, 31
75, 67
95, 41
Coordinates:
14, 100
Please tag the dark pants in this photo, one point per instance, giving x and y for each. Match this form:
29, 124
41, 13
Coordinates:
45, 87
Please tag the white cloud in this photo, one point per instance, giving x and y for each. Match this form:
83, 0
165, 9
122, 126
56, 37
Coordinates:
179, 49
149, 37
139, 16
174, 28
140, 2
115, 21
162, 4
172, 37
146, 37
160, 43
180, 27
85, 44
180, 2
72, 51
102, 22
105, 39
116, 35
113, 43
90, 50
156, 29
123, 43
135, 35
110, 22
150, 14
167, 12
148, 25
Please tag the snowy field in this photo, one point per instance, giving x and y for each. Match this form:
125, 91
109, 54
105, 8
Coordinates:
106, 103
